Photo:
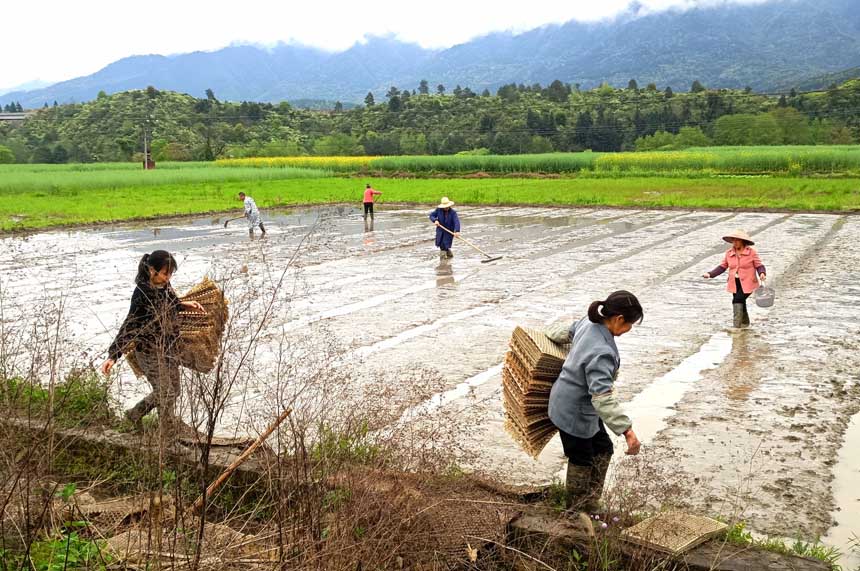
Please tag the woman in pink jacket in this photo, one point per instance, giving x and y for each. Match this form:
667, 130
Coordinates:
743, 264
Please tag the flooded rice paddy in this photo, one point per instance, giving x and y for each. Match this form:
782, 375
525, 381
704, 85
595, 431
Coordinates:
759, 418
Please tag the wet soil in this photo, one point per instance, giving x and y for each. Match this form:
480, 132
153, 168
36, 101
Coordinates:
758, 416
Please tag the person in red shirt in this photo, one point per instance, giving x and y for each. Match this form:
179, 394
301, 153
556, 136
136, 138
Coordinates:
369, 193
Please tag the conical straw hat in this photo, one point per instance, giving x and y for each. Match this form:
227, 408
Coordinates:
740, 235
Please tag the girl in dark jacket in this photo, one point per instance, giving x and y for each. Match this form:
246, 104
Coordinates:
151, 329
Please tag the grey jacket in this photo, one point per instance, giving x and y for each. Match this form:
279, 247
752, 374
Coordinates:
589, 370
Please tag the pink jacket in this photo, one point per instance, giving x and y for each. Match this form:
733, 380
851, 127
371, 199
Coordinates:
745, 266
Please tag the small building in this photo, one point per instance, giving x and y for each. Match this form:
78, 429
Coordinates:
15, 117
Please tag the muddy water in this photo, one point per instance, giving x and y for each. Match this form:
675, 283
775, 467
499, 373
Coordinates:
758, 416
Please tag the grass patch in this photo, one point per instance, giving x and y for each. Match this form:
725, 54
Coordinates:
79, 400
738, 534
53, 180
353, 447
39, 209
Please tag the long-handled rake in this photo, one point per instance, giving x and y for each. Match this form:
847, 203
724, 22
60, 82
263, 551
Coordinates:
232, 220
489, 257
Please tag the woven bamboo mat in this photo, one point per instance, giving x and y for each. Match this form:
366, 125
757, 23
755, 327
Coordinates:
531, 366
199, 333
673, 532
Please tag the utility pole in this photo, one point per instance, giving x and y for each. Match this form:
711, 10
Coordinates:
148, 163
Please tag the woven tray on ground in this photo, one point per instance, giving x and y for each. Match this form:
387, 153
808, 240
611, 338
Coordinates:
106, 515
199, 334
530, 368
221, 544
673, 532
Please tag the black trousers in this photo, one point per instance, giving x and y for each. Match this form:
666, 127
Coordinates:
368, 208
581, 451
739, 296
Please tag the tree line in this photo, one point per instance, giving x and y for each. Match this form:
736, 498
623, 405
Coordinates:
518, 118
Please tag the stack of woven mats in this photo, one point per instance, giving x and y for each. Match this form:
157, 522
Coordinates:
199, 333
531, 366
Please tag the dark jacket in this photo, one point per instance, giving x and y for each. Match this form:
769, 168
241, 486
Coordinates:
151, 324
449, 220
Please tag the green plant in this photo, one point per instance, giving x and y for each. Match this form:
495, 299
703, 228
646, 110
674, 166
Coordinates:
335, 498
168, 480
738, 534
817, 550
82, 398
557, 496
454, 471
353, 447
9, 560
68, 552
67, 492
577, 561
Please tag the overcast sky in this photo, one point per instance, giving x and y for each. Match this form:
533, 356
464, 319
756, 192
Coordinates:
56, 40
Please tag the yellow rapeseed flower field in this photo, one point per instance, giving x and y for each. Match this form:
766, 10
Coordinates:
331, 163
656, 160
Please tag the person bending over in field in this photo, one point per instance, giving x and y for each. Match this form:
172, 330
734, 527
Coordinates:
447, 226
582, 402
252, 213
151, 330
369, 193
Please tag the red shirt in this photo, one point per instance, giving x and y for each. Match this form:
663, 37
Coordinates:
368, 194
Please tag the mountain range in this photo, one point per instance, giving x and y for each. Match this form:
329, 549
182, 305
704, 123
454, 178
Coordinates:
774, 45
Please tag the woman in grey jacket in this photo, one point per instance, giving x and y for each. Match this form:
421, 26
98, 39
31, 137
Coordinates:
582, 402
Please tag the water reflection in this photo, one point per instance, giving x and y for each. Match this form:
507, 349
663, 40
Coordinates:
444, 272
742, 375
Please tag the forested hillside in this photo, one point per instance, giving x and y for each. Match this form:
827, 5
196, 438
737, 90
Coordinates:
516, 119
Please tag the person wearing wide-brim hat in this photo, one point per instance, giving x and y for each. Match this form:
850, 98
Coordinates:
744, 265
445, 217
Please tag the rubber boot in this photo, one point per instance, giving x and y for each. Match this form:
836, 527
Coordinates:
578, 486
449, 253
745, 319
262, 229
137, 412
598, 478
738, 315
